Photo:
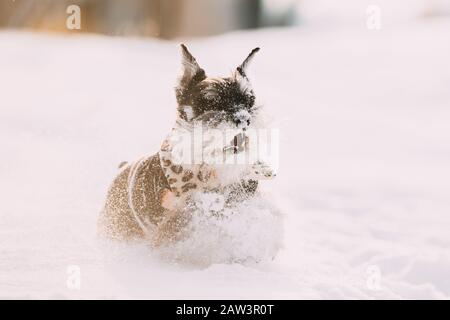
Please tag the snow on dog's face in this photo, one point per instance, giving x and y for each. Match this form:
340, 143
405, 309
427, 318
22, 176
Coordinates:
215, 100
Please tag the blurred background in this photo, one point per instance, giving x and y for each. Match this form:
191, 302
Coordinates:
180, 18
155, 18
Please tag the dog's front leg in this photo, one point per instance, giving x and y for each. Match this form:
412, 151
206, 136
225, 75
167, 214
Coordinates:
175, 218
261, 170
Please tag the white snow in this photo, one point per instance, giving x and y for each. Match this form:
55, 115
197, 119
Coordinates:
363, 181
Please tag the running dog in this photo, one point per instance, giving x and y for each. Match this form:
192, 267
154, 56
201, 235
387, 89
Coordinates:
149, 198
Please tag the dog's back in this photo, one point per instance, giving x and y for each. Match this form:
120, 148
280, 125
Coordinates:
133, 202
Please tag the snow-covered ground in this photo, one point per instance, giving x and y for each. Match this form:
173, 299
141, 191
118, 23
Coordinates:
364, 179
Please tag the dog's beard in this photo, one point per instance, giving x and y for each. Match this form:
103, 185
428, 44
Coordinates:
213, 142
212, 139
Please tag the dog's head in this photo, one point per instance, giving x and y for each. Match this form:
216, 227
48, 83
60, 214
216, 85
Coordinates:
215, 100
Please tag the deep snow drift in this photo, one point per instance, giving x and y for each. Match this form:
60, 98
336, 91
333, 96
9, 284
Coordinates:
363, 179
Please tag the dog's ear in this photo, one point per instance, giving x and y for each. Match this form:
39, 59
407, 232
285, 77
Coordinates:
191, 75
191, 71
242, 67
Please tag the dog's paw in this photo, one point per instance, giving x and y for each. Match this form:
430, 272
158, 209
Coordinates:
262, 170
